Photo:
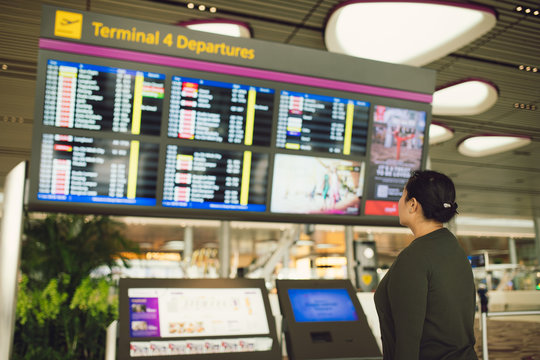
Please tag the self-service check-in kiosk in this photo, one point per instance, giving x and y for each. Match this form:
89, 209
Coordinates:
323, 320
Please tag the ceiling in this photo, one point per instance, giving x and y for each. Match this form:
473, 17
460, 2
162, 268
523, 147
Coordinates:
504, 185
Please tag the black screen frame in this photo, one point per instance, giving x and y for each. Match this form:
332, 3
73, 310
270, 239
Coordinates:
123, 350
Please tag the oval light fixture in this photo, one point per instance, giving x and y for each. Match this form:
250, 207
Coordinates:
470, 96
439, 133
405, 32
220, 27
484, 145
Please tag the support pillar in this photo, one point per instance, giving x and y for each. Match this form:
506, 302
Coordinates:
188, 243
349, 253
512, 253
225, 249
537, 238
10, 253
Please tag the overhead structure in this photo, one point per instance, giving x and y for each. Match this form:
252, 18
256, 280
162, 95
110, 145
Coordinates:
465, 97
220, 27
405, 32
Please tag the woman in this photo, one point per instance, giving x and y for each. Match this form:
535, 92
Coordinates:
426, 301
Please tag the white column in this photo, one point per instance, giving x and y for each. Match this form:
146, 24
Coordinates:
512, 250
188, 243
349, 253
10, 252
224, 249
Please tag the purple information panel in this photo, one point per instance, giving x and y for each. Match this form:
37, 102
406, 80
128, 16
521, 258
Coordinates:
144, 317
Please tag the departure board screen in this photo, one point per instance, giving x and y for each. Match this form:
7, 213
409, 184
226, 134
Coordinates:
163, 136
102, 98
322, 123
210, 179
93, 170
220, 112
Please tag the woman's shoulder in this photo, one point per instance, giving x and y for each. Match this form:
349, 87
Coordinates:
412, 255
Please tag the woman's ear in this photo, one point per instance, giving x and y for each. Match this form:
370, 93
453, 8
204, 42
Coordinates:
413, 205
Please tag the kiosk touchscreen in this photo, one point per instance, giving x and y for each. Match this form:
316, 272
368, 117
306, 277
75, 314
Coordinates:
202, 319
323, 319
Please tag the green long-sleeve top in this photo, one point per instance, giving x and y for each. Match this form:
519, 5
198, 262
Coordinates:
426, 301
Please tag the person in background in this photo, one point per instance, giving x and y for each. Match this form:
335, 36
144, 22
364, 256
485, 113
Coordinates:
426, 301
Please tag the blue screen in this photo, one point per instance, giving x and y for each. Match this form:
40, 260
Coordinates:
317, 305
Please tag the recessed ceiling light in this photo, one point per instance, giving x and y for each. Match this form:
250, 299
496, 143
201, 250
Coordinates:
405, 32
220, 26
439, 133
522, 106
465, 97
484, 145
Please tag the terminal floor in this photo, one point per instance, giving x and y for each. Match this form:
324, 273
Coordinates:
516, 340
509, 340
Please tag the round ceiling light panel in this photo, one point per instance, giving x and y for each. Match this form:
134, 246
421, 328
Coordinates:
220, 27
405, 32
465, 97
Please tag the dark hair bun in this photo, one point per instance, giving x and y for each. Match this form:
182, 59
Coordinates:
435, 192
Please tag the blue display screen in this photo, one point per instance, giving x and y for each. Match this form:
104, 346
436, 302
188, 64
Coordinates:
322, 305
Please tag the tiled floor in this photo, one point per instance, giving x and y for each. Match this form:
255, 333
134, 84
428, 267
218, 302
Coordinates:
516, 340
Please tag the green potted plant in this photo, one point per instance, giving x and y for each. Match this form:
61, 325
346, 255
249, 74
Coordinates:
63, 311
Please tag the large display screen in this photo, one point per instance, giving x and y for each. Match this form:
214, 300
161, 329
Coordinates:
95, 170
137, 138
215, 318
103, 98
210, 179
322, 123
220, 112
315, 305
396, 149
316, 185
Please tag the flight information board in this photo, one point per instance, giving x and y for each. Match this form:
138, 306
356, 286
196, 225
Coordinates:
93, 97
220, 112
322, 123
154, 137
93, 170
210, 179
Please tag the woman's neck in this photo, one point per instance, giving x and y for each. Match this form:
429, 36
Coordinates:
425, 227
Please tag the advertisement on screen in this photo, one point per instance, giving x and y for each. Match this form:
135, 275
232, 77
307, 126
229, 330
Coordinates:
322, 305
314, 185
396, 149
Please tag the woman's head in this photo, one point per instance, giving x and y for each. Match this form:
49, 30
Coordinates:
435, 192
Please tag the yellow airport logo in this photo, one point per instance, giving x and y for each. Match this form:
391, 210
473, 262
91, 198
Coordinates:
68, 24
